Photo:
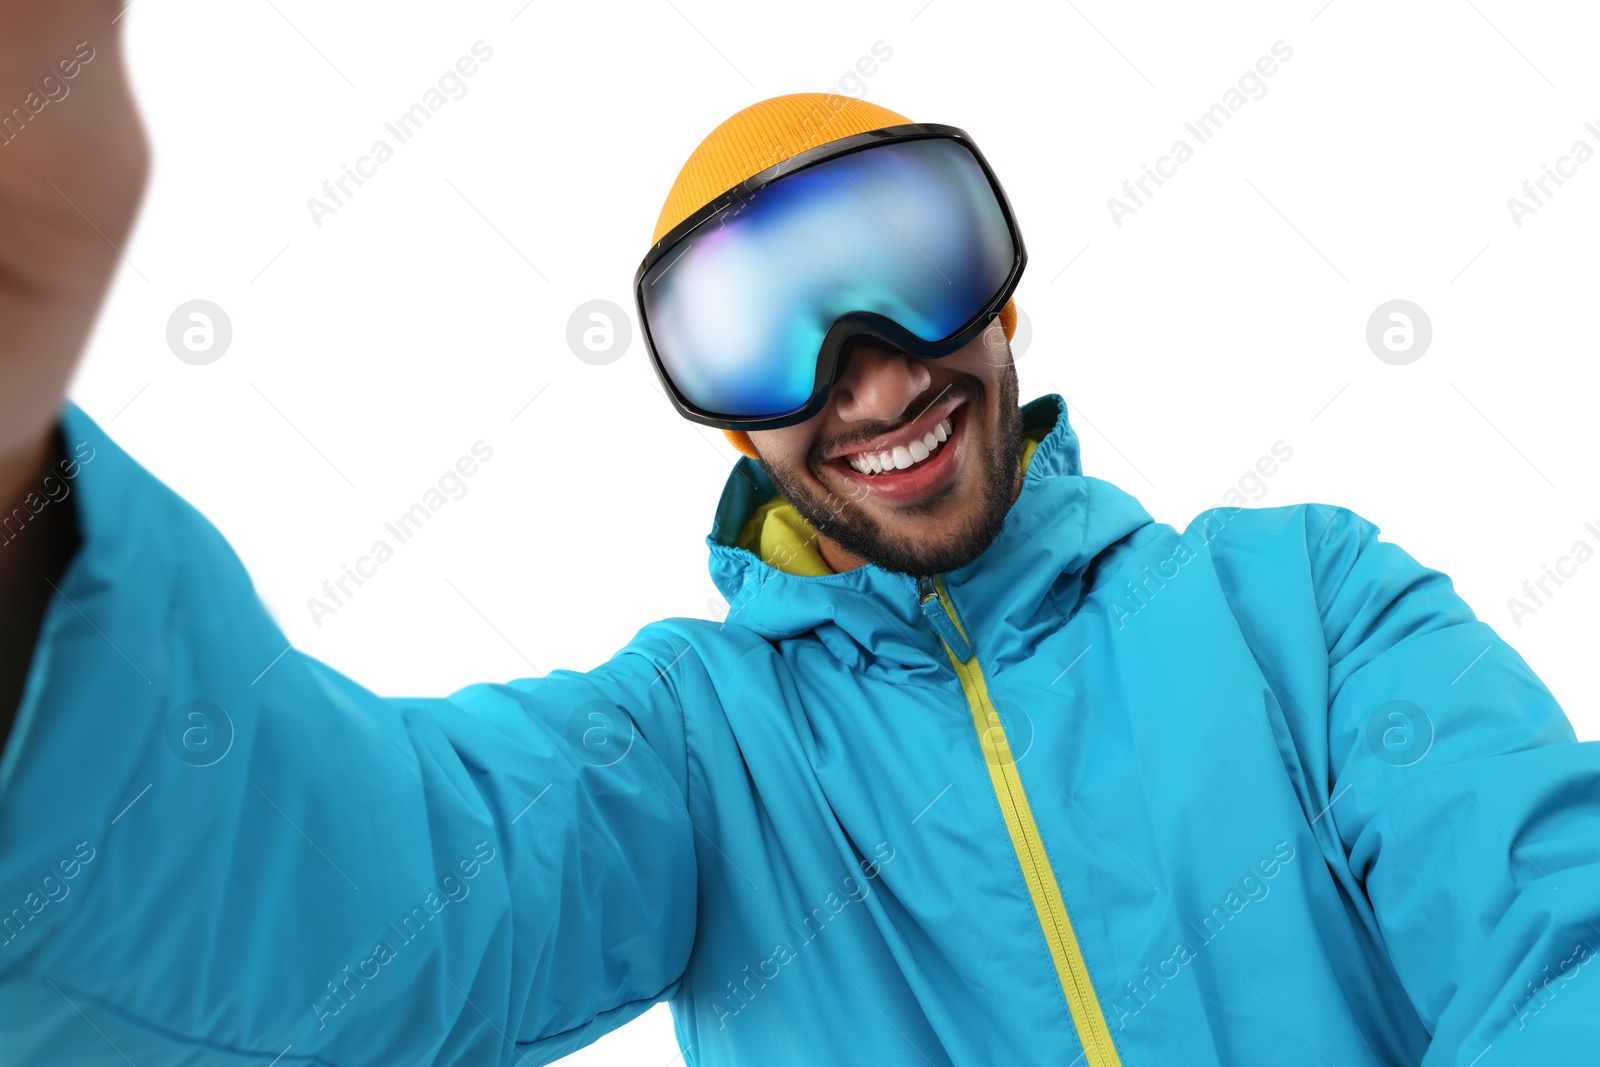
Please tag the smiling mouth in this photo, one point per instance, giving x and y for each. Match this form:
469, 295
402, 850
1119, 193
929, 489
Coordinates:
902, 456
912, 462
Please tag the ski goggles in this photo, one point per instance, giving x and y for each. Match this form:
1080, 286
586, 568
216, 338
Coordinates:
900, 236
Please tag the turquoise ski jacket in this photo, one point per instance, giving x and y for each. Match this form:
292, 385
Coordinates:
1261, 792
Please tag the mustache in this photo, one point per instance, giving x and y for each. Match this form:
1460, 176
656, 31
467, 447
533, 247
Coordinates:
968, 388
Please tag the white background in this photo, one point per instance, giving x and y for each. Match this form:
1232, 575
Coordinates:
1227, 314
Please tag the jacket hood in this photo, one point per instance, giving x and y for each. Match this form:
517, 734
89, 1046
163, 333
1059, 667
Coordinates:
1060, 521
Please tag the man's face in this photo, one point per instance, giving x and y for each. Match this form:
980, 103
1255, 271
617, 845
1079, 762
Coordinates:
927, 509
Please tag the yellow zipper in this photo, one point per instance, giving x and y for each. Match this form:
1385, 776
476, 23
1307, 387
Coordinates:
1071, 969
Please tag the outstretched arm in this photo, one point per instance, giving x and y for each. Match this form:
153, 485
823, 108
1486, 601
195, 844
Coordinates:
214, 849
72, 168
219, 850
1469, 814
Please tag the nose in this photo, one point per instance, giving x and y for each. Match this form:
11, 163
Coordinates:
878, 385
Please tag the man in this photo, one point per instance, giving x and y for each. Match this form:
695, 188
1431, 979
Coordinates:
984, 766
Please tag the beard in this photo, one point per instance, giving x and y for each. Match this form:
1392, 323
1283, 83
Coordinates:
899, 550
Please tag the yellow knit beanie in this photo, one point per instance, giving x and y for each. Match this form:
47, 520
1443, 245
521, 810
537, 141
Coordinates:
764, 135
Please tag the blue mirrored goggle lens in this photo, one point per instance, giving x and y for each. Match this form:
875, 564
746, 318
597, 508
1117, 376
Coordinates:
911, 230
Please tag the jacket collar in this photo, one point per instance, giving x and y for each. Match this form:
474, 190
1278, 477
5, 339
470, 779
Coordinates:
1059, 522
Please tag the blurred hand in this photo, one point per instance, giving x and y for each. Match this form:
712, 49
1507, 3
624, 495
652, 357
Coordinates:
73, 161
72, 169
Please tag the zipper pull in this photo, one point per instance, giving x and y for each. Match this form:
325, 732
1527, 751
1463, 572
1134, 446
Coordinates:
933, 609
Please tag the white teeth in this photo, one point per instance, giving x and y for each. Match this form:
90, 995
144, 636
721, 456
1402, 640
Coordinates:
902, 456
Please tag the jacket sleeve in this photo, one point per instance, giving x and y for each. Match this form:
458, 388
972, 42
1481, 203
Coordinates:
215, 849
1468, 811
